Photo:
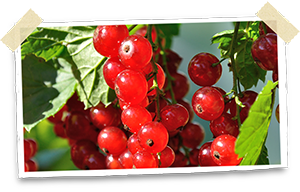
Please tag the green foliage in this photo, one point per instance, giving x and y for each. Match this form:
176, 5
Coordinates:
248, 72
254, 130
168, 31
46, 87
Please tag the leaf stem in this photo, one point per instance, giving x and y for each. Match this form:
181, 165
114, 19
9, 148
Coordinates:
235, 78
132, 27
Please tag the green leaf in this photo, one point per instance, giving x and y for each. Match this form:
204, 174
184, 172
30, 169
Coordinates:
248, 71
254, 130
46, 88
263, 157
87, 67
167, 31
45, 43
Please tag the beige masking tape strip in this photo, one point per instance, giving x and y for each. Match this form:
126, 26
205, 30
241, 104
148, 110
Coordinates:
282, 27
24, 27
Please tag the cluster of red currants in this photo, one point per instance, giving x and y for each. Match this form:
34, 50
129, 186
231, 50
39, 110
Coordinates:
213, 104
30, 149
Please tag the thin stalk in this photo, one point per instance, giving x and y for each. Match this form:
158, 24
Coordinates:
131, 27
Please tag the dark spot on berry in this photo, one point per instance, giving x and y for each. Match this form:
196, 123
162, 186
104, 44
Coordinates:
150, 142
199, 108
86, 167
126, 48
217, 155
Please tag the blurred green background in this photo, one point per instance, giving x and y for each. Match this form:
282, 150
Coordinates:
54, 153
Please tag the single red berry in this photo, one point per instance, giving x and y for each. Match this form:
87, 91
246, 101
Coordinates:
173, 61
208, 103
77, 125
31, 165
180, 86
94, 160
174, 116
112, 162
28, 149
166, 157
174, 142
248, 97
222, 151
193, 157
224, 125
143, 159
153, 137
111, 68
108, 38
135, 52
112, 140
204, 157
180, 160
34, 146
134, 117
103, 116
58, 117
202, 72
133, 144
126, 159
80, 149
74, 104
131, 86
192, 135
264, 51
152, 107
60, 130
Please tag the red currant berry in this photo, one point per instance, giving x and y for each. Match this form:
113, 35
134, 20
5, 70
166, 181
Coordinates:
34, 146
204, 157
135, 52
143, 31
126, 159
180, 160
180, 86
27, 150
131, 86
222, 151
264, 51
193, 157
111, 68
143, 159
174, 142
77, 125
60, 130
192, 135
167, 157
153, 137
134, 117
174, 116
173, 61
108, 38
103, 116
94, 160
58, 117
248, 97
112, 162
224, 125
202, 72
31, 165
112, 140
124, 105
80, 149
74, 104
133, 144
188, 106
208, 103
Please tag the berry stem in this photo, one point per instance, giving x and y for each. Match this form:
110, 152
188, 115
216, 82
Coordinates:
264, 27
236, 87
155, 69
168, 75
132, 27
215, 64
